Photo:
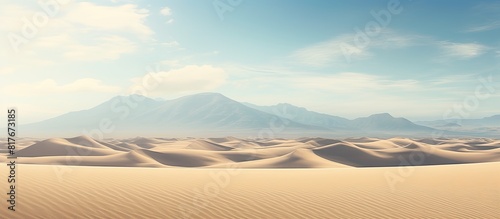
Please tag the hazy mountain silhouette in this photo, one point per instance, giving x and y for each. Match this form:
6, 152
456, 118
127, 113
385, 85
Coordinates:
212, 115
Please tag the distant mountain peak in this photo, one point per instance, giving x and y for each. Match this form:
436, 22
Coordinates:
287, 105
208, 97
284, 104
382, 116
213, 94
136, 97
385, 121
209, 112
493, 117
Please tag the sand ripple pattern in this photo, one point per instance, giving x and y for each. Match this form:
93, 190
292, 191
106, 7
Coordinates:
446, 191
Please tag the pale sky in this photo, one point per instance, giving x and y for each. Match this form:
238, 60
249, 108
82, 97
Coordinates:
414, 59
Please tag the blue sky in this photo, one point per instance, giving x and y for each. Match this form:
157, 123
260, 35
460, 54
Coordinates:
417, 59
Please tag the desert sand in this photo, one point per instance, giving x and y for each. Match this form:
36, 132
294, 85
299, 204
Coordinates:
445, 191
255, 178
255, 153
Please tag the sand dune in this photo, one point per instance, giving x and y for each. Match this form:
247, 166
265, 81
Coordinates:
352, 155
257, 153
260, 178
86, 141
300, 158
124, 159
447, 191
207, 145
64, 147
186, 158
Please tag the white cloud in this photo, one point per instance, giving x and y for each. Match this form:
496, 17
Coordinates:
166, 11
6, 70
81, 31
188, 78
126, 18
461, 50
50, 86
54, 41
105, 48
12, 17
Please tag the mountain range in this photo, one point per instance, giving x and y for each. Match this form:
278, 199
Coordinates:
213, 115
491, 121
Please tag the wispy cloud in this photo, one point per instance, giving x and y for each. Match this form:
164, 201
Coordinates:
488, 6
332, 51
344, 48
104, 48
348, 82
461, 50
451, 79
486, 27
349, 47
489, 10
171, 44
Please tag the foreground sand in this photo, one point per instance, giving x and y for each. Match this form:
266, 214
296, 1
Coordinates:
445, 191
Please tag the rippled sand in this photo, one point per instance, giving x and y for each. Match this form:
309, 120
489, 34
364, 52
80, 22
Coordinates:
444, 191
